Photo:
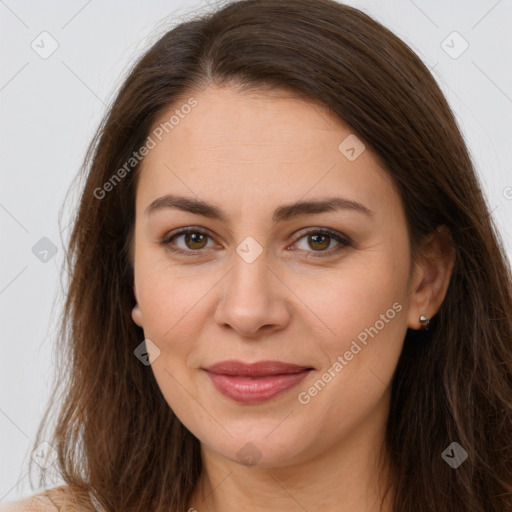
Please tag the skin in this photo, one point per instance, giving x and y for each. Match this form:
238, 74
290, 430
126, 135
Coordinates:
249, 153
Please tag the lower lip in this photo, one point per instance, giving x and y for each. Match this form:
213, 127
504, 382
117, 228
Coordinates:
249, 390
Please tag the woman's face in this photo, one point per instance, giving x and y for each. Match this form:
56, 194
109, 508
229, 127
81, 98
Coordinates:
265, 282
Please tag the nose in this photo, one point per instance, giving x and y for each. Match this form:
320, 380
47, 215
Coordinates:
254, 300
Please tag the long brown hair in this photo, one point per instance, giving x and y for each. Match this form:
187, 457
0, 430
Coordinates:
116, 436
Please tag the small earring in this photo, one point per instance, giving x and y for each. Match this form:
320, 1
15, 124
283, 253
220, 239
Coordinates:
425, 320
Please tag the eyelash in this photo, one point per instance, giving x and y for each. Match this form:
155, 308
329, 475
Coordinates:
343, 242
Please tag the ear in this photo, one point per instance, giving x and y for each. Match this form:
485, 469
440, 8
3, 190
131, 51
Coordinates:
136, 311
431, 276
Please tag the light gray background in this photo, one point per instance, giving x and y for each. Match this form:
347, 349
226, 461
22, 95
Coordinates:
49, 109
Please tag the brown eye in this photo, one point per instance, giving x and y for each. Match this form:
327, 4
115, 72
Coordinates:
195, 240
192, 241
318, 241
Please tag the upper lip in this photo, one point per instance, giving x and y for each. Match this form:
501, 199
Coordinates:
257, 369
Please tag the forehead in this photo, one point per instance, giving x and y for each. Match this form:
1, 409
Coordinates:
260, 148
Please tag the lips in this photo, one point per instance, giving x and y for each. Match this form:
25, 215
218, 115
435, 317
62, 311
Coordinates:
251, 383
259, 369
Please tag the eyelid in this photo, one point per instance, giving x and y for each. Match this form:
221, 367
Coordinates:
343, 240
323, 231
167, 239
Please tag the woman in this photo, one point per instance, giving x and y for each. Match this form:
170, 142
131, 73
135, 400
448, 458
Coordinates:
287, 290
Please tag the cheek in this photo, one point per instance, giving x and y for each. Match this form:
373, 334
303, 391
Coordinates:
172, 298
364, 308
362, 359
173, 319
350, 299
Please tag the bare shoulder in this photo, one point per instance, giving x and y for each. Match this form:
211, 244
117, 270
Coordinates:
36, 503
57, 499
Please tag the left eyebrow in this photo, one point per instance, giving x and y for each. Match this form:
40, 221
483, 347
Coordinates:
328, 204
282, 213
